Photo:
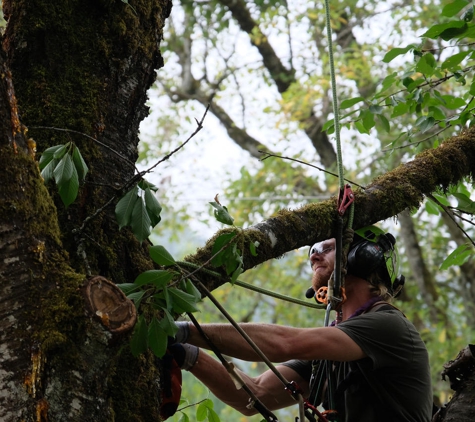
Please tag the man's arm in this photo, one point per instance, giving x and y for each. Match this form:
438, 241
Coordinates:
279, 343
267, 387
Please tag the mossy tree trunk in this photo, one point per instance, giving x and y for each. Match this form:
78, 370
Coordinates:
81, 69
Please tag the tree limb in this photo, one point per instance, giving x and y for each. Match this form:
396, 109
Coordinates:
387, 196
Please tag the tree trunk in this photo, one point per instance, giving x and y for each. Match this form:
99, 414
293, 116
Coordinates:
461, 373
81, 71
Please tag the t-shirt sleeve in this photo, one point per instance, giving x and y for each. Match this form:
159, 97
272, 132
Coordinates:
302, 367
386, 337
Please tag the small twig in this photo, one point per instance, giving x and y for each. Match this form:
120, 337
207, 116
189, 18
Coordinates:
140, 175
89, 137
90, 217
417, 142
269, 154
450, 214
460, 215
198, 128
426, 50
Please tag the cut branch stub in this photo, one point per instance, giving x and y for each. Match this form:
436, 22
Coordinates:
459, 369
109, 305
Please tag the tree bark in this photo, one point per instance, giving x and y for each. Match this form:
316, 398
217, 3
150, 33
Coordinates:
81, 71
461, 373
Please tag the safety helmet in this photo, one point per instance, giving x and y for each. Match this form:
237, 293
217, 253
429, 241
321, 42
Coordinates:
374, 251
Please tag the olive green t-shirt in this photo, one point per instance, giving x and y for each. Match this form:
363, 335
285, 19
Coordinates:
393, 383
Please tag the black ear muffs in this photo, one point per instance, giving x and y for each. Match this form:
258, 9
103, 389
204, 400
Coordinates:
366, 257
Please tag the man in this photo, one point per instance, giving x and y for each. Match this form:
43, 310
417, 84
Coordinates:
379, 361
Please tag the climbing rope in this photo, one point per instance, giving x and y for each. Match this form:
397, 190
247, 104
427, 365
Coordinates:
343, 238
248, 286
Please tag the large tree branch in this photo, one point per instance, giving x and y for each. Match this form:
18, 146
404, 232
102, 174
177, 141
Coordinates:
282, 76
387, 196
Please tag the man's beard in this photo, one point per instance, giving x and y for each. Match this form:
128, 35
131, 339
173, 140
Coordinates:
319, 280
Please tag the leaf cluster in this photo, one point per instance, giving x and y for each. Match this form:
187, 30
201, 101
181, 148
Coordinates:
158, 288
64, 164
139, 209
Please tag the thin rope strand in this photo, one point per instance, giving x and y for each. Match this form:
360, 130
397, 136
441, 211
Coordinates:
334, 93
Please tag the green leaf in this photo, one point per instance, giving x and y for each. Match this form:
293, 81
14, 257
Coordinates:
79, 163
446, 30
48, 155
219, 243
64, 170
161, 256
426, 65
328, 124
453, 61
442, 199
236, 274
213, 416
144, 185
388, 82
471, 92
232, 258
375, 109
136, 297
453, 102
138, 342
48, 171
192, 290
252, 248
124, 208
61, 151
368, 120
458, 257
351, 102
432, 208
392, 54
401, 109
437, 113
184, 417
201, 412
153, 207
157, 338
127, 288
140, 221
424, 123
168, 323
68, 189
453, 8
384, 122
181, 301
468, 14
360, 127
465, 204
159, 278
221, 214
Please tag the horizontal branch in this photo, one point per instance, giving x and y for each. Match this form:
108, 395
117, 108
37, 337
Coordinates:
388, 195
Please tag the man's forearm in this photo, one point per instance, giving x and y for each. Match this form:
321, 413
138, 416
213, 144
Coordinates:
266, 387
214, 375
271, 339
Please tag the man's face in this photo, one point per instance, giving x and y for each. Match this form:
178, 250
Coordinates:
322, 260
